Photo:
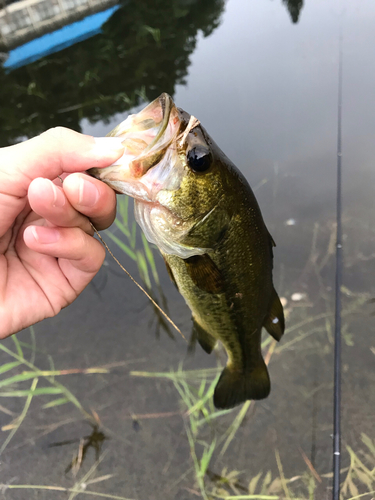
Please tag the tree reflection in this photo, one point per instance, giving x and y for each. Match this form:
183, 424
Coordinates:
144, 50
294, 7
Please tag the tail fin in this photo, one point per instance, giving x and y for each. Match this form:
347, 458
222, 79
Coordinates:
235, 387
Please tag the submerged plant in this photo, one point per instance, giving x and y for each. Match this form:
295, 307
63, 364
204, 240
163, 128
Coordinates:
13, 385
144, 258
209, 442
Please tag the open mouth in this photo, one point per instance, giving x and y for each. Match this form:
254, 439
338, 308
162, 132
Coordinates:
147, 135
149, 139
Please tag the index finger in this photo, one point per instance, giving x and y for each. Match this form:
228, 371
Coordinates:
50, 154
92, 198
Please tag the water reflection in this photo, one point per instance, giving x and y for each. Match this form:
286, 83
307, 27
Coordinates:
143, 51
294, 8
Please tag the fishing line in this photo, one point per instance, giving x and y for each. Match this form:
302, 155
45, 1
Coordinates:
338, 282
136, 282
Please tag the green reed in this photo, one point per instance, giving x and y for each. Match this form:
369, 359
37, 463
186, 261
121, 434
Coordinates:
19, 371
143, 257
208, 443
127, 238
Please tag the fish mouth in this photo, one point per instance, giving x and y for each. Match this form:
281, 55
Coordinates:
147, 137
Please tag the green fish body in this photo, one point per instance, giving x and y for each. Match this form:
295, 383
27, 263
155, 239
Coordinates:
196, 206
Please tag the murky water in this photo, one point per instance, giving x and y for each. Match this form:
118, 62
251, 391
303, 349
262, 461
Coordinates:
266, 90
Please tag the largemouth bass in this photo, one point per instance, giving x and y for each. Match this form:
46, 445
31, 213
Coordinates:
193, 203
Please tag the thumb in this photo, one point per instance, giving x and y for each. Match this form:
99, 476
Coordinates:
50, 154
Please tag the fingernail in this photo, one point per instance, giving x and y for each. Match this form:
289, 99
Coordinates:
58, 196
105, 145
45, 235
88, 194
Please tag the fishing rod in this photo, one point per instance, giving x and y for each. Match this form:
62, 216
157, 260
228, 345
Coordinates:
338, 282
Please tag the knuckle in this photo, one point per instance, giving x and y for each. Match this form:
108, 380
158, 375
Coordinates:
103, 221
82, 241
56, 134
93, 260
54, 139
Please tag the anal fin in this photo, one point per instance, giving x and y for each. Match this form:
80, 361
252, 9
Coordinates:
206, 340
274, 322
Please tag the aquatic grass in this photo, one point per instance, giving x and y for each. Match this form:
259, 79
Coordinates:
79, 488
360, 471
150, 259
359, 474
41, 487
12, 385
311, 325
143, 257
247, 497
233, 428
180, 374
282, 476
9, 366
83, 482
18, 421
199, 467
55, 402
125, 248
196, 389
56, 388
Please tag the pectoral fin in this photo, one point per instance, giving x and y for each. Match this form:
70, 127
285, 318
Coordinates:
275, 323
204, 273
206, 341
170, 272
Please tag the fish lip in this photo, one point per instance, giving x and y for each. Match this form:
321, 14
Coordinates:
128, 171
166, 104
157, 148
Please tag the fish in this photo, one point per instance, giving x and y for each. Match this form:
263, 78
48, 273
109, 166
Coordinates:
199, 210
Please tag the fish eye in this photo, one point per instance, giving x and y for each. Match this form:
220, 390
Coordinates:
199, 159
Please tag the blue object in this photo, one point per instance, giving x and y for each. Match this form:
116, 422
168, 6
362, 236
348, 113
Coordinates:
58, 40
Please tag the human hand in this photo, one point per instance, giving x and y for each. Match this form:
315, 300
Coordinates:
47, 252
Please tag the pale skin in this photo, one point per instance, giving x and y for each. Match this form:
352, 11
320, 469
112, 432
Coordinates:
47, 251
